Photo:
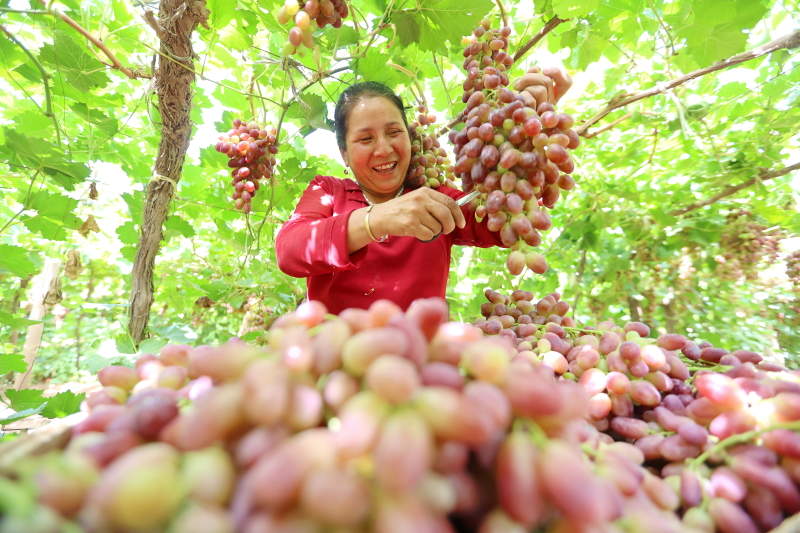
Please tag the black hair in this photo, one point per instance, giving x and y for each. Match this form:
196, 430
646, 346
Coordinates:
351, 96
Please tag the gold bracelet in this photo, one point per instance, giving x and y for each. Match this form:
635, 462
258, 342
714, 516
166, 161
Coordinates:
369, 231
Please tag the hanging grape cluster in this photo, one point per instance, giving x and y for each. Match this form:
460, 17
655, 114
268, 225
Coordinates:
306, 14
514, 149
429, 165
251, 151
793, 270
745, 244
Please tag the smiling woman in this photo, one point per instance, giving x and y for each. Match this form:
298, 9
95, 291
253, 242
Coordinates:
375, 237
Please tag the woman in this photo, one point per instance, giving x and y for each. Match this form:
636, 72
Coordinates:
372, 238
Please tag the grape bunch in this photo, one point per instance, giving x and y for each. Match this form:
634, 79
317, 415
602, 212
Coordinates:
793, 270
251, 151
381, 420
429, 165
305, 14
514, 147
745, 244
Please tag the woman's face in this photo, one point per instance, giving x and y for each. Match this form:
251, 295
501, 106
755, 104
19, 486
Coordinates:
378, 147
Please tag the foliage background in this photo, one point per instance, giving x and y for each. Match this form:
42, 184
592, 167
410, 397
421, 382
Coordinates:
71, 126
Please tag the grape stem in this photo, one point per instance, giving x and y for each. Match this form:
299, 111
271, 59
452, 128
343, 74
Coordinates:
548, 27
503, 14
763, 175
789, 41
739, 439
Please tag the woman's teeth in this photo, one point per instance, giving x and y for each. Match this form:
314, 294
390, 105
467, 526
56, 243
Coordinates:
386, 167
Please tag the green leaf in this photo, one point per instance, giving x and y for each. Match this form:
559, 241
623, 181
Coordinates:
52, 205
46, 227
12, 363
124, 343
572, 9
152, 345
15, 321
128, 233
25, 398
63, 404
222, 12
176, 224
71, 60
312, 109
19, 415
17, 260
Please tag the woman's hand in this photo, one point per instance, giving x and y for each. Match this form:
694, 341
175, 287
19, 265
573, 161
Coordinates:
545, 85
423, 213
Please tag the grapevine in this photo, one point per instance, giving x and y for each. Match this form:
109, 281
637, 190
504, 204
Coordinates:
251, 151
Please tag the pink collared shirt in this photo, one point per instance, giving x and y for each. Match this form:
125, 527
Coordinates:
312, 244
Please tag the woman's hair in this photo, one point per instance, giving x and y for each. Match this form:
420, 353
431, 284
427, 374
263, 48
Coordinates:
351, 96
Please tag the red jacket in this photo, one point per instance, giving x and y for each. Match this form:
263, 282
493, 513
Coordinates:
312, 244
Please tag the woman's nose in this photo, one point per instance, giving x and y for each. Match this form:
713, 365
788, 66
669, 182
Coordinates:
382, 145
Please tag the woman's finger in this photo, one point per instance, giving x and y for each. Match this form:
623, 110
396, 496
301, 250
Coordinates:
428, 222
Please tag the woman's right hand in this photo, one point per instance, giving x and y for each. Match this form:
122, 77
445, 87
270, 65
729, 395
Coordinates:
423, 213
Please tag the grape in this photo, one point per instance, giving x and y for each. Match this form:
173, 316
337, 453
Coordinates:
118, 376
208, 475
393, 378
518, 483
335, 497
629, 428
730, 518
725, 483
252, 159
404, 451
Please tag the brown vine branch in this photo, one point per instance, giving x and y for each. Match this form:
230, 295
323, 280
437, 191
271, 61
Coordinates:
115, 63
548, 27
733, 189
503, 13
787, 41
607, 127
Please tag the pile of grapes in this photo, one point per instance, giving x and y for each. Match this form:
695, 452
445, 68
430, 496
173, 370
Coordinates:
307, 13
429, 166
251, 151
387, 421
745, 244
514, 147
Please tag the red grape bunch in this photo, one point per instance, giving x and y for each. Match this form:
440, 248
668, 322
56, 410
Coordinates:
793, 270
251, 150
430, 165
305, 14
514, 147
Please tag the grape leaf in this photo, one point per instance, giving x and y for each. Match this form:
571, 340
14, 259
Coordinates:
222, 12
73, 62
12, 363
19, 415
25, 398
63, 404
17, 260
178, 225
15, 321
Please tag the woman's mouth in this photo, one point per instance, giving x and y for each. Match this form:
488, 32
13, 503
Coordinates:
386, 167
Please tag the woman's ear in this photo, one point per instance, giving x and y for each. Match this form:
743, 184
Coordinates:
344, 158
